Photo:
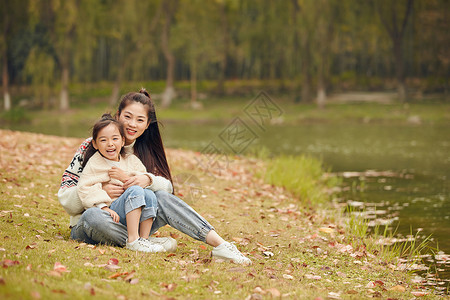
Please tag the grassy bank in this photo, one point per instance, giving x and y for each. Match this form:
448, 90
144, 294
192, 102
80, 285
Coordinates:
298, 250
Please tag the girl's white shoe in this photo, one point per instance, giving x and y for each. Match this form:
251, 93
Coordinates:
144, 245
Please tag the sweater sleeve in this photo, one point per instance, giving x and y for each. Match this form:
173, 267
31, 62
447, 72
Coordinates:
67, 194
159, 183
90, 186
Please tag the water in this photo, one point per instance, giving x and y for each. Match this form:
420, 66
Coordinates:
410, 187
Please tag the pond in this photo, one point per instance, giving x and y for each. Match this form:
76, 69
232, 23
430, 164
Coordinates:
401, 171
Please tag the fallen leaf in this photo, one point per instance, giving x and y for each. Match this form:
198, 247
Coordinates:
419, 294
118, 274
398, 288
35, 295
134, 281
275, 293
287, 276
102, 251
8, 263
352, 292
113, 261
2, 281
58, 267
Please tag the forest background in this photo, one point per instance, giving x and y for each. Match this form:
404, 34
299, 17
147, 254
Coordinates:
55, 51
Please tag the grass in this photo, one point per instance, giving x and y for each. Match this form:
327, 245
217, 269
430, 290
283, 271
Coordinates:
297, 251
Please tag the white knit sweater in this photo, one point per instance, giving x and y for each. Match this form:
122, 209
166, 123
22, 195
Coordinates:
95, 173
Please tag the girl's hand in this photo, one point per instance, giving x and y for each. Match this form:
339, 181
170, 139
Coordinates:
113, 190
118, 174
113, 214
141, 180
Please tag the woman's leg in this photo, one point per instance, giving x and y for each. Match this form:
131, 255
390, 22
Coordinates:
178, 214
97, 227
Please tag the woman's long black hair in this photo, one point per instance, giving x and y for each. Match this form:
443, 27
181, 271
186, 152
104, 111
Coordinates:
149, 147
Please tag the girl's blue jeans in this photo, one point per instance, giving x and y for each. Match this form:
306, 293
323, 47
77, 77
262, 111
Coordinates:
133, 198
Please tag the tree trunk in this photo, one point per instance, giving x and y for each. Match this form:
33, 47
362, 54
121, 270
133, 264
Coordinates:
321, 91
5, 82
64, 100
169, 92
224, 55
399, 70
116, 88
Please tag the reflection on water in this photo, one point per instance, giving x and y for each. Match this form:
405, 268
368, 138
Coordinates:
412, 191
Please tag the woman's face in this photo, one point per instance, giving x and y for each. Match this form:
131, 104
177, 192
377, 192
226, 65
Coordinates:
135, 121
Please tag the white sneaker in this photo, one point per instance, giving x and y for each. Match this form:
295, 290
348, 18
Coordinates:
169, 244
144, 245
228, 251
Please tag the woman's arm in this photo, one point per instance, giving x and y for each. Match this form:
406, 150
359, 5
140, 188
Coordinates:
67, 194
145, 179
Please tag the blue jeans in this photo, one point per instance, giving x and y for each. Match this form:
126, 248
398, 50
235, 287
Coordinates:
133, 198
97, 227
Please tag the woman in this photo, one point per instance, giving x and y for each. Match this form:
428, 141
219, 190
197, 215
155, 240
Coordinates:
142, 137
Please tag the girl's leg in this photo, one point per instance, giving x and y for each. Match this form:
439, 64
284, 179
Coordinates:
129, 207
148, 214
133, 224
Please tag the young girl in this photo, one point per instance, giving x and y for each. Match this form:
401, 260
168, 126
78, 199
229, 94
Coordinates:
106, 162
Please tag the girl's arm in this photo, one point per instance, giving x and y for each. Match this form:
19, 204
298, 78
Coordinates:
90, 185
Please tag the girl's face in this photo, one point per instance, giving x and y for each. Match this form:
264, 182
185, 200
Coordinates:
134, 118
109, 142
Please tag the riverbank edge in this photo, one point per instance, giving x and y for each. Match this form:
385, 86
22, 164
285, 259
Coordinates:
308, 240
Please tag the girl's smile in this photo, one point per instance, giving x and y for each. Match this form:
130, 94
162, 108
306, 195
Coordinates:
109, 142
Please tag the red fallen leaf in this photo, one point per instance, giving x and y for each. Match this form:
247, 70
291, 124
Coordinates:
171, 254
118, 274
174, 235
58, 267
378, 283
31, 246
203, 247
113, 261
2, 281
8, 263
129, 276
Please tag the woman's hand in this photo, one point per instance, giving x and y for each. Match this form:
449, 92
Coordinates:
113, 214
141, 180
113, 190
118, 173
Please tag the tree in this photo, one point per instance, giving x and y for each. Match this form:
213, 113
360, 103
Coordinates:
10, 11
394, 16
169, 9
